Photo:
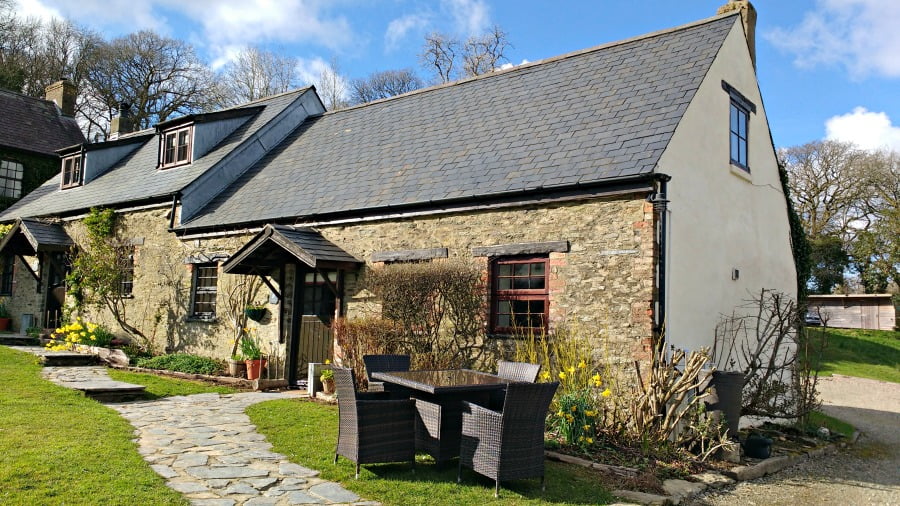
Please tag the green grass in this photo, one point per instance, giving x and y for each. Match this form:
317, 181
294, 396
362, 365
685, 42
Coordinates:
819, 419
307, 433
873, 354
59, 447
160, 386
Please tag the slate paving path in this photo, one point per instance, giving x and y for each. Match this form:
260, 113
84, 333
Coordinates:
207, 449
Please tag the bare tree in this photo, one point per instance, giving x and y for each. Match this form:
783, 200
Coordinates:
257, 73
160, 77
332, 86
448, 58
483, 53
383, 84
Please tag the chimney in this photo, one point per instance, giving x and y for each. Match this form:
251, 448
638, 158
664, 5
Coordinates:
120, 124
62, 93
748, 16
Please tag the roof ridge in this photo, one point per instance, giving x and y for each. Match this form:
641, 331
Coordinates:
16, 94
543, 61
266, 98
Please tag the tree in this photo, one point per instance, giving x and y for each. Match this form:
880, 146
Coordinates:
332, 86
828, 260
875, 250
158, 76
445, 55
383, 84
257, 73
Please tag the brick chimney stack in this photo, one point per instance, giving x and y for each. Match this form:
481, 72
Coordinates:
121, 124
62, 93
748, 16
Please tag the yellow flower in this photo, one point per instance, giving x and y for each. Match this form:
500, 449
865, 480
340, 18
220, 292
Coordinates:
597, 380
327, 361
571, 369
580, 438
545, 375
606, 393
562, 375
586, 427
574, 409
78, 318
570, 418
589, 440
83, 334
93, 337
560, 413
590, 414
246, 329
582, 364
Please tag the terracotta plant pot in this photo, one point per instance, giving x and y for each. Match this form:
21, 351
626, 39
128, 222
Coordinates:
255, 367
328, 386
237, 368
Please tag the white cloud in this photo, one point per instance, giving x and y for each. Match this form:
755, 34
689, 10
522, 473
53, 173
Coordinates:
398, 28
310, 70
471, 17
36, 9
860, 35
867, 129
508, 65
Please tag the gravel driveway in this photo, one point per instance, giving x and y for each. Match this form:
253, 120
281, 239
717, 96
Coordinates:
867, 473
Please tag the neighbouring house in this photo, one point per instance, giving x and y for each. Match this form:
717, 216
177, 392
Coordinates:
855, 311
31, 130
632, 188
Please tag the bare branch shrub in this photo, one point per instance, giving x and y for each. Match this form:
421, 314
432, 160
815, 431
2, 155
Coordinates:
239, 292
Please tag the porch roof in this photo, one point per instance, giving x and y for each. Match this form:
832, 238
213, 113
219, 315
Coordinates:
276, 245
28, 237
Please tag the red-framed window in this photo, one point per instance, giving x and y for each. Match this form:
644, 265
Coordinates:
175, 149
71, 171
520, 295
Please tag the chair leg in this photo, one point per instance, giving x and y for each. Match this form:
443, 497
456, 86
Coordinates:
357, 470
459, 472
412, 464
497, 488
335, 458
543, 485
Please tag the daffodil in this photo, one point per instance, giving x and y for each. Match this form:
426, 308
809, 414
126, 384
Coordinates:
327, 361
596, 379
574, 409
589, 440
545, 375
582, 364
586, 427
562, 375
606, 393
589, 413
571, 369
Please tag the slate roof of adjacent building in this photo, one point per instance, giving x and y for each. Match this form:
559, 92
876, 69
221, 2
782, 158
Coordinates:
136, 177
578, 119
36, 125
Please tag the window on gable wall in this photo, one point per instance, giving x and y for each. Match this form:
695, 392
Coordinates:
203, 290
520, 296
10, 179
175, 147
71, 171
739, 123
126, 284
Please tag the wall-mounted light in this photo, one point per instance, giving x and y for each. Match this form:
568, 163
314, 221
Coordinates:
735, 274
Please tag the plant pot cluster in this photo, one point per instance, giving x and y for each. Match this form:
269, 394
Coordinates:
251, 369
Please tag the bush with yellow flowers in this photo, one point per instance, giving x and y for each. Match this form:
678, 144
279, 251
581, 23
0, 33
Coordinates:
79, 331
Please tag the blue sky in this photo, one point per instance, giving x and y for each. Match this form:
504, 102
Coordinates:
827, 68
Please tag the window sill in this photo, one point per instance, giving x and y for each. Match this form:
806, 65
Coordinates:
201, 319
741, 172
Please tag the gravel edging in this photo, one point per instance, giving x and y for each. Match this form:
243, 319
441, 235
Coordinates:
678, 491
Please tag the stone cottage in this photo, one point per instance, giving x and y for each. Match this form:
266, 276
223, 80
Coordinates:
632, 187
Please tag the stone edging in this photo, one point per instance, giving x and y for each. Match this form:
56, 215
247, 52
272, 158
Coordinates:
680, 490
257, 384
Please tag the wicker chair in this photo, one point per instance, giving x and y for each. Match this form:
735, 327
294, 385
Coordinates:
513, 371
518, 371
386, 363
507, 445
372, 430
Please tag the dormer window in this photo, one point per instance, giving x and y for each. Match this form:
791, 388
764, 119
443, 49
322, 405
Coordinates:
71, 171
176, 147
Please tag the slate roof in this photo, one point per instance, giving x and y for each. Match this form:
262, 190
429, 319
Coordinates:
136, 178
34, 124
304, 244
583, 118
27, 237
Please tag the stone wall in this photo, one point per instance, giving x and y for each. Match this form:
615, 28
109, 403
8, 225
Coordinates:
602, 286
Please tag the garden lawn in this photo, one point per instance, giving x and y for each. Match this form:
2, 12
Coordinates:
306, 432
59, 447
161, 386
873, 354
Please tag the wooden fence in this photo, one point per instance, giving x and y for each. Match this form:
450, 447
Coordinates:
316, 343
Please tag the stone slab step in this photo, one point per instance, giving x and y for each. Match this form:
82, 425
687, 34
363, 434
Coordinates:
18, 340
67, 359
112, 391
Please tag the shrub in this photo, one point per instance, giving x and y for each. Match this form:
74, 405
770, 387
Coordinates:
182, 362
79, 332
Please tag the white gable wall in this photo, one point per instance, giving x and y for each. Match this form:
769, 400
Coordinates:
721, 218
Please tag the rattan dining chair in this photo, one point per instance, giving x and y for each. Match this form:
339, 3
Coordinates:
518, 371
507, 445
372, 430
386, 363
513, 371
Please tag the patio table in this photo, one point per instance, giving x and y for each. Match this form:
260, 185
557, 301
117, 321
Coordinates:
439, 396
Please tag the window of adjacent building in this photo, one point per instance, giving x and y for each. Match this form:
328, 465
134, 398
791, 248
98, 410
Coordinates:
126, 284
71, 171
740, 118
176, 147
6, 276
520, 299
318, 298
203, 292
11, 179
